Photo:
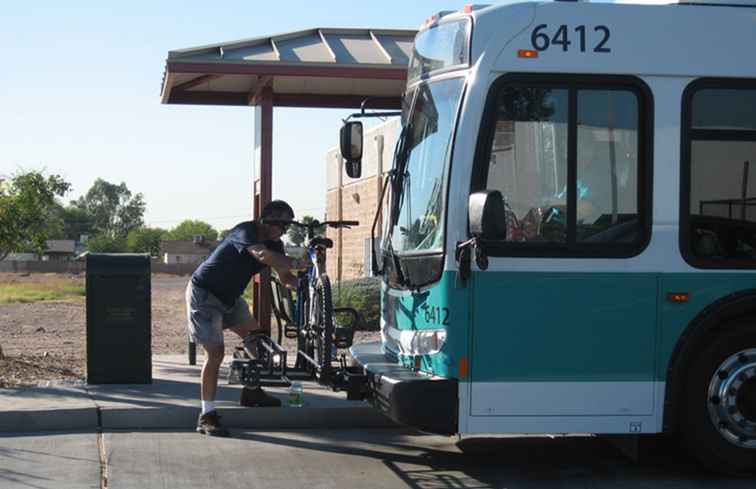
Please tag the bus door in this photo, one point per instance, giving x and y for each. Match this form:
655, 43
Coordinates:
564, 317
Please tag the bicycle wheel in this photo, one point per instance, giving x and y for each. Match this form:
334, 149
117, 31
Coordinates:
323, 302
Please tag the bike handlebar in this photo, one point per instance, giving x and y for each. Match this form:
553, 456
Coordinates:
317, 224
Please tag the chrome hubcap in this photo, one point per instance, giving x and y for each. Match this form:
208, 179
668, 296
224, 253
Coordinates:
732, 399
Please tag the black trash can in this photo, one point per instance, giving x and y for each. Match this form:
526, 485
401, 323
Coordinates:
118, 319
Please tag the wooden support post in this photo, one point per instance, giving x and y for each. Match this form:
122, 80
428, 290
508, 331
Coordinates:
263, 186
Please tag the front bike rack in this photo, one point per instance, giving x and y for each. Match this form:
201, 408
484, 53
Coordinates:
269, 368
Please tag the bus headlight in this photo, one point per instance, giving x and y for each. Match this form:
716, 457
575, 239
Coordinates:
425, 342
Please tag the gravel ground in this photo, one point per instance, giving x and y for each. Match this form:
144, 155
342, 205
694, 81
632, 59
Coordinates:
44, 341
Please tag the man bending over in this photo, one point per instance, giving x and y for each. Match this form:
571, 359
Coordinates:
214, 302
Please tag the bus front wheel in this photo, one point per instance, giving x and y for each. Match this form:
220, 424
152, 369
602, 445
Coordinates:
719, 412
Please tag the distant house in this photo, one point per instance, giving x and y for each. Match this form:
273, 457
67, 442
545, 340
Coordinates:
59, 250
55, 250
185, 251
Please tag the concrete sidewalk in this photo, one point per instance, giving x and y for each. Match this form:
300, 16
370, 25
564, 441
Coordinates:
171, 401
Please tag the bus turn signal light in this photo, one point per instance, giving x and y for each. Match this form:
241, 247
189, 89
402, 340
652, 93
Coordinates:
527, 53
678, 297
464, 368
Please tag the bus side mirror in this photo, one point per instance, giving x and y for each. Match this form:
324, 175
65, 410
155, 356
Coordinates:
488, 218
351, 148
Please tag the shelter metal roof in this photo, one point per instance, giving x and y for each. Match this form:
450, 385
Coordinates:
311, 68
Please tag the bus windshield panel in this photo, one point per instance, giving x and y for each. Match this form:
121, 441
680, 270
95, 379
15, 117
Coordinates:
441, 47
427, 136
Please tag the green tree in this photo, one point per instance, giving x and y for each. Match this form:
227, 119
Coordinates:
188, 229
145, 240
76, 222
297, 234
54, 222
105, 243
27, 200
113, 209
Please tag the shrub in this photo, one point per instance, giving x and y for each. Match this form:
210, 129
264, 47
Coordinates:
364, 295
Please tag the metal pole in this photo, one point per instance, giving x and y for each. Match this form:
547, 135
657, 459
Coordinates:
744, 190
339, 217
613, 162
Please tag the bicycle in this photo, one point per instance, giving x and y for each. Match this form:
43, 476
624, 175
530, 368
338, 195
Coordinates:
318, 335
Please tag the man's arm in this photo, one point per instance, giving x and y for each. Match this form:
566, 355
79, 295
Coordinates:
273, 259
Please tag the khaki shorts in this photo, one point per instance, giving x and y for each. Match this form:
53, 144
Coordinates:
207, 316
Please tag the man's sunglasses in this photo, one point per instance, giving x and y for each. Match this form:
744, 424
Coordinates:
280, 223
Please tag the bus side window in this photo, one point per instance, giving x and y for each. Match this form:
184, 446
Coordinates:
607, 166
721, 200
529, 163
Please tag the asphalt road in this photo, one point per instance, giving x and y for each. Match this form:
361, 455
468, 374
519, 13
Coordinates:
334, 459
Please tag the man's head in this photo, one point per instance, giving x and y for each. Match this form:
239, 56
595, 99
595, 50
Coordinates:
275, 216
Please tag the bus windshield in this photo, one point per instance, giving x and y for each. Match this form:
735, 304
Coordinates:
440, 47
422, 159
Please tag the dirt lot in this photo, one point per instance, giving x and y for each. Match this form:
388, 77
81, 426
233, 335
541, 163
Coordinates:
47, 340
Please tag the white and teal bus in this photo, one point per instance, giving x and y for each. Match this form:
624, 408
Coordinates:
570, 245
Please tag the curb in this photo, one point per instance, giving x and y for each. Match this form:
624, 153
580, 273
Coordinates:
95, 417
249, 418
49, 420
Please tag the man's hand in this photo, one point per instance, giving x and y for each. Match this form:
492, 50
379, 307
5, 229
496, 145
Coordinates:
288, 279
281, 263
300, 263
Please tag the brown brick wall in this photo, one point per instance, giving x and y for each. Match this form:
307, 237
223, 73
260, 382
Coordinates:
360, 200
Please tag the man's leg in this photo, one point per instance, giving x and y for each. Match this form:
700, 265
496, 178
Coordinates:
204, 323
243, 323
209, 375
248, 328
248, 332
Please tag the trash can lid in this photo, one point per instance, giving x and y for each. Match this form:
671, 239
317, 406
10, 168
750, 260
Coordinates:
118, 263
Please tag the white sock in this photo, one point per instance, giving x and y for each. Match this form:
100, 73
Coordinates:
208, 406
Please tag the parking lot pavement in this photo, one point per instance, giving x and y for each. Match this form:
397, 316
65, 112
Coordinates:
333, 459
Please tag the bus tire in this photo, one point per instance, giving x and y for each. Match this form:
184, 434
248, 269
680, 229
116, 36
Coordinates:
719, 410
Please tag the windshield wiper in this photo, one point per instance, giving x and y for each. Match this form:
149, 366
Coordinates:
395, 263
378, 212
398, 179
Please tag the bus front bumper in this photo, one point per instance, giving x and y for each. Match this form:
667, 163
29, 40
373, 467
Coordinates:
410, 398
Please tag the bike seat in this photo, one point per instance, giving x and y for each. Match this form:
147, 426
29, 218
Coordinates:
321, 241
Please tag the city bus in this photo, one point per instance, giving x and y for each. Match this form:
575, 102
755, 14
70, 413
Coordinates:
569, 242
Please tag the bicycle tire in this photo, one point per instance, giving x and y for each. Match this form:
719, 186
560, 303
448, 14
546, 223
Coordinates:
324, 339
304, 344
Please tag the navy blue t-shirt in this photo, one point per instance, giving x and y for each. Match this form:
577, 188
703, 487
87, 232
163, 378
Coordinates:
228, 270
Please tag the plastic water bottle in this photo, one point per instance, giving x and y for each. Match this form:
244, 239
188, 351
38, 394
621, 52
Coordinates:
296, 395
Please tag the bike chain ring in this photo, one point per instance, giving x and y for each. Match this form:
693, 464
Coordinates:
250, 374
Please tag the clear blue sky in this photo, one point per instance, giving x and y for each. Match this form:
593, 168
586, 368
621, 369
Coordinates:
79, 97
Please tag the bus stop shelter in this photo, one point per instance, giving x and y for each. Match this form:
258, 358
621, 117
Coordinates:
314, 68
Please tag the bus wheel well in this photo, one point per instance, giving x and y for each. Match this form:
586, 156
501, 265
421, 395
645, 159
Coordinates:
699, 332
